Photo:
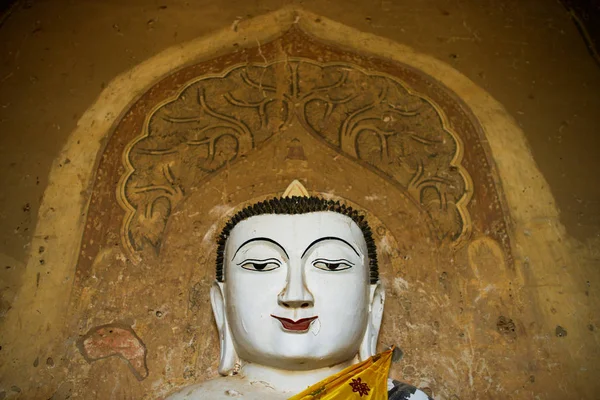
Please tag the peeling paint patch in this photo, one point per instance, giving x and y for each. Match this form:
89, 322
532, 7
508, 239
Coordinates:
115, 340
400, 284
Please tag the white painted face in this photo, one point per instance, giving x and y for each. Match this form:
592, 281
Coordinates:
297, 289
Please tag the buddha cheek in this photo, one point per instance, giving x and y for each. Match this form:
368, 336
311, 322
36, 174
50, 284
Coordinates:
343, 313
251, 299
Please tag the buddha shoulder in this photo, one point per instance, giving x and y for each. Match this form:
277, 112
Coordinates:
228, 387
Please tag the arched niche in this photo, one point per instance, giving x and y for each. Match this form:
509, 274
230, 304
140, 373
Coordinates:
216, 135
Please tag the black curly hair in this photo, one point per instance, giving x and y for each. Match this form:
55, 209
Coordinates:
300, 205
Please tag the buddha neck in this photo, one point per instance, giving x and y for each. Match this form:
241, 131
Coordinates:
287, 380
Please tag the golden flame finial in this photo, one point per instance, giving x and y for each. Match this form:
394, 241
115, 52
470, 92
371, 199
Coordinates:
296, 189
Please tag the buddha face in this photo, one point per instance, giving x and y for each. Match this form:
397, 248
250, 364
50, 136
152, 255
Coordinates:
296, 294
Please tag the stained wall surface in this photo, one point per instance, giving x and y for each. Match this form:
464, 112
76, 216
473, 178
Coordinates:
478, 287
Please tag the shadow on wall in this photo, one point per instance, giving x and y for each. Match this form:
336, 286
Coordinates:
8, 6
586, 17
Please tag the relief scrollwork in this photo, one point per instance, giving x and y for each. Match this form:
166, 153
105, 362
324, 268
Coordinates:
402, 134
365, 115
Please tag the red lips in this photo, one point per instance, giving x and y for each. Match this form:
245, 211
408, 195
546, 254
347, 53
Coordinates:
291, 325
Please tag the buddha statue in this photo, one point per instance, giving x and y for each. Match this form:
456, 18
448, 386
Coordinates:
297, 298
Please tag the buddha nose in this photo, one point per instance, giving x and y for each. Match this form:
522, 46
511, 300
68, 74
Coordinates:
295, 294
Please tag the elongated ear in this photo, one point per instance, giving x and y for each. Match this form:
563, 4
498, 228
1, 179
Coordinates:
368, 346
228, 359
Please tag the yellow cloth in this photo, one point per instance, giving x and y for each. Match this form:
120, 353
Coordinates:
365, 381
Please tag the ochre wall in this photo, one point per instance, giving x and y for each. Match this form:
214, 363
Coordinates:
473, 289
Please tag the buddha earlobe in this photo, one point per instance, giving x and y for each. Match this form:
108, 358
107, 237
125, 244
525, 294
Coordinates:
368, 346
228, 359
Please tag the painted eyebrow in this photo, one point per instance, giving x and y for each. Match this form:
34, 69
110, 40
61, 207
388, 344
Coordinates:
262, 239
329, 238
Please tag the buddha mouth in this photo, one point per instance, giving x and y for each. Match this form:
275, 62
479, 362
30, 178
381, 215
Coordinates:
291, 325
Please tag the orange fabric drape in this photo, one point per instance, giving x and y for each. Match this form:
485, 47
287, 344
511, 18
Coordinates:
365, 381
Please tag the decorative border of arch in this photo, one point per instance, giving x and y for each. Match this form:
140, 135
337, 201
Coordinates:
456, 161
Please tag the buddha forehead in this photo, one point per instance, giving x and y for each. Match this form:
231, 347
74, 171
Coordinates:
297, 232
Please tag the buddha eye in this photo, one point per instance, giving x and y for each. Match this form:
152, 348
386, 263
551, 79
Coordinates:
260, 265
332, 265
